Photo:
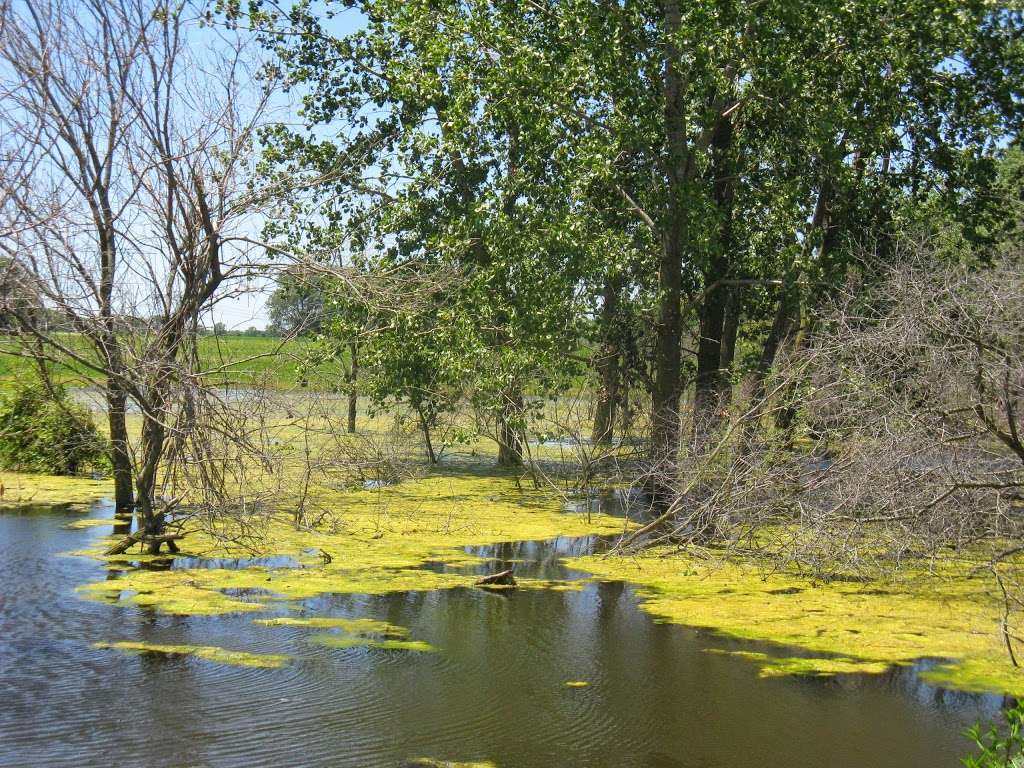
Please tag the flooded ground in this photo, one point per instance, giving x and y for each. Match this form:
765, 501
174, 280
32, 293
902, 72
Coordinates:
492, 688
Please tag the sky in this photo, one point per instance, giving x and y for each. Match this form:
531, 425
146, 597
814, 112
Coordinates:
248, 308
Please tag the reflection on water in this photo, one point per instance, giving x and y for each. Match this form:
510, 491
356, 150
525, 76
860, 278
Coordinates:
633, 503
494, 689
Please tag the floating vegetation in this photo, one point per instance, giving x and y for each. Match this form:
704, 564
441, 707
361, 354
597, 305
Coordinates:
351, 626
205, 652
26, 488
358, 641
179, 591
576, 684
782, 666
353, 633
97, 522
381, 541
863, 627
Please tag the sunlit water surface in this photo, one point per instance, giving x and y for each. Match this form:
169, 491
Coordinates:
494, 689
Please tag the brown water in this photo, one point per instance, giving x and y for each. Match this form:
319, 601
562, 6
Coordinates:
494, 689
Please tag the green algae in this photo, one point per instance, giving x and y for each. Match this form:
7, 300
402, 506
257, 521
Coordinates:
96, 522
353, 633
382, 541
179, 591
358, 641
576, 684
360, 626
427, 762
24, 488
210, 653
784, 666
862, 627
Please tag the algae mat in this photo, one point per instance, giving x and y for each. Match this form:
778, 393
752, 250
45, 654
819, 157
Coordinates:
847, 627
374, 541
18, 488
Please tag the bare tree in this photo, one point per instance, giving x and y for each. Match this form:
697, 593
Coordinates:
126, 199
907, 445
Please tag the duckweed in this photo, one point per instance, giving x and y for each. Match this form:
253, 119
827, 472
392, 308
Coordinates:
864, 627
360, 626
25, 488
381, 542
206, 652
358, 641
782, 666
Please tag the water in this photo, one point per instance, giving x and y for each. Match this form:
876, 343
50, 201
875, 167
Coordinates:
494, 689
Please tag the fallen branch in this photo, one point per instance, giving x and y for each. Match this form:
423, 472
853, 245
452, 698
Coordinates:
137, 538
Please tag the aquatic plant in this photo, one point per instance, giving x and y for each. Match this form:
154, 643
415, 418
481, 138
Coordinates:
205, 652
383, 540
853, 626
1000, 745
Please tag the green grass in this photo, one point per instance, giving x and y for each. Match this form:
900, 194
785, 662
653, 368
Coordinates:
230, 359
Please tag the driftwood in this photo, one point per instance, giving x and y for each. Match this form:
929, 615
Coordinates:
136, 538
504, 578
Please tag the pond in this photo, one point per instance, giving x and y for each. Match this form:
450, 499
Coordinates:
493, 687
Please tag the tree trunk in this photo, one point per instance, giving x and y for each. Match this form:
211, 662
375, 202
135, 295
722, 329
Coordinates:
154, 434
625, 409
710, 380
665, 397
607, 364
510, 434
353, 394
706, 406
425, 426
120, 456
782, 326
729, 333
785, 416
787, 314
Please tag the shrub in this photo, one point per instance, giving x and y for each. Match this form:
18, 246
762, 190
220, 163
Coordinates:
42, 430
1000, 746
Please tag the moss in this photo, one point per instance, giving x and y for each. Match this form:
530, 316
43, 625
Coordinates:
868, 626
206, 652
25, 488
382, 542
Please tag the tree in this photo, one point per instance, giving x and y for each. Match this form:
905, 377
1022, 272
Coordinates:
731, 146
124, 199
422, 182
296, 307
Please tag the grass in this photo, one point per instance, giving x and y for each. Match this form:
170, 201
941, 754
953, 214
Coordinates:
231, 358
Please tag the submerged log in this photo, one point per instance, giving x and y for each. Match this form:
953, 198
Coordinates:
136, 538
503, 578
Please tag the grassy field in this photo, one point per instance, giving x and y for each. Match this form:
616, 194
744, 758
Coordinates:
231, 358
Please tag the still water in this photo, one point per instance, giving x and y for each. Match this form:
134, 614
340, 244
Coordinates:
494, 690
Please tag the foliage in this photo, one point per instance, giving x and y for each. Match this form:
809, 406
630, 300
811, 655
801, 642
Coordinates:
999, 747
43, 430
296, 307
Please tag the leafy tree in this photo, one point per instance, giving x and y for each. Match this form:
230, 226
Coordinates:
296, 307
701, 148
